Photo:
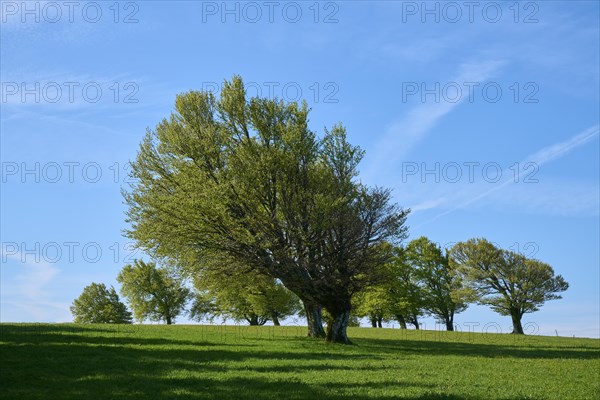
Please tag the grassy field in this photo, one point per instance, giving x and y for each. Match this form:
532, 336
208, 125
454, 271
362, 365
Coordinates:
46, 361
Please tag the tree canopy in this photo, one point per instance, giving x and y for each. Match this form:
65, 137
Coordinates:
153, 293
239, 188
442, 290
247, 297
510, 283
398, 296
99, 305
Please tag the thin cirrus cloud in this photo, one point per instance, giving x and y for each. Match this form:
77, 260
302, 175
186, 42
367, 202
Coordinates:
557, 150
577, 198
402, 135
28, 288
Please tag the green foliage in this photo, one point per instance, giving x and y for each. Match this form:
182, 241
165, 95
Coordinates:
153, 293
246, 180
441, 286
510, 283
408, 300
203, 307
135, 362
99, 305
397, 296
374, 303
251, 297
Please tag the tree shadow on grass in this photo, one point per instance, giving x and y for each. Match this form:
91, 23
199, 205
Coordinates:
60, 368
119, 335
74, 362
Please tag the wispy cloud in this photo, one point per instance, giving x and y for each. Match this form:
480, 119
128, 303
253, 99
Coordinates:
577, 198
29, 285
429, 204
80, 98
557, 150
37, 311
402, 135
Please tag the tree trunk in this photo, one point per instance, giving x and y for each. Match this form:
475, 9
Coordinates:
449, 322
336, 328
169, 320
275, 319
379, 321
314, 320
253, 320
401, 321
415, 322
373, 322
516, 320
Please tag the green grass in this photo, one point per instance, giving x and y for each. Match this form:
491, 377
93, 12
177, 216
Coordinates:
46, 361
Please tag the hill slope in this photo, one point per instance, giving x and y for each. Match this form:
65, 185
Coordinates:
42, 361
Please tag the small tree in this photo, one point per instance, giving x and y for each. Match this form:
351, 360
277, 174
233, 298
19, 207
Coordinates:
407, 299
508, 282
99, 305
276, 302
441, 286
251, 297
153, 293
397, 296
203, 306
373, 303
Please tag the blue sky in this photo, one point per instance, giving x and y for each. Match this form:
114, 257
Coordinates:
483, 119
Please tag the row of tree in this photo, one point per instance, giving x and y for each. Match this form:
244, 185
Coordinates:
236, 184
154, 294
421, 279
232, 188
160, 294
425, 280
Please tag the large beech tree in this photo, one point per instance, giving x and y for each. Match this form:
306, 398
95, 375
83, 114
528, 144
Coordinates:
510, 283
247, 180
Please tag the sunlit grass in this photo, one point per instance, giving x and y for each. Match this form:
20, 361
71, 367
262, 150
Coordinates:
44, 361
